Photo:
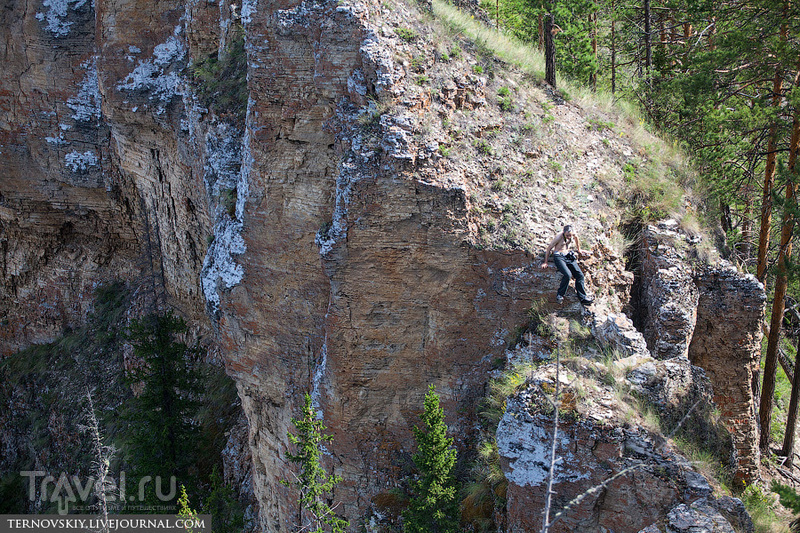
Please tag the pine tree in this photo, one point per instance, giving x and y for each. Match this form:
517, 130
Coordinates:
316, 513
573, 20
433, 507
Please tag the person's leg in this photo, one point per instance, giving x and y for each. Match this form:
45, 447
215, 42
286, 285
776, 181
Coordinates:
561, 265
579, 286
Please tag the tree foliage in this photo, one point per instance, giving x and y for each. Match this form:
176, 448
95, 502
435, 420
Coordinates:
433, 507
575, 21
316, 512
161, 430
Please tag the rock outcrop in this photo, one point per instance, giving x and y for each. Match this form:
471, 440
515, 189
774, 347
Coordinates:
668, 299
727, 344
699, 348
338, 228
622, 474
712, 315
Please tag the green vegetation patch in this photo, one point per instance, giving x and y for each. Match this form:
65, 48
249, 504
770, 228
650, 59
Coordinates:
165, 429
220, 80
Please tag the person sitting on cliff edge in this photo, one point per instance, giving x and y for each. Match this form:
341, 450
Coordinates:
566, 261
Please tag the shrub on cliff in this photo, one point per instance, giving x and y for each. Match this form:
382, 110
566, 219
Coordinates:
433, 507
220, 80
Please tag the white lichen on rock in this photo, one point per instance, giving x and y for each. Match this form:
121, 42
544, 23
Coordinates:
81, 161
380, 66
319, 375
56, 14
525, 442
336, 231
297, 18
220, 270
223, 158
160, 75
227, 167
248, 10
86, 105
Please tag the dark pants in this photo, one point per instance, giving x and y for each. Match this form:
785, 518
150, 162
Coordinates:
569, 268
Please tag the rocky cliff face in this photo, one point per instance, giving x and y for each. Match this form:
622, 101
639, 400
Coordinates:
365, 221
61, 230
693, 314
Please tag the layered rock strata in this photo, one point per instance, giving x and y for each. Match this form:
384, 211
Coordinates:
61, 230
325, 243
727, 344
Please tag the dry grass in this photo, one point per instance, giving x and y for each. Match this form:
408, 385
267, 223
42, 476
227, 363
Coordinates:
503, 46
662, 176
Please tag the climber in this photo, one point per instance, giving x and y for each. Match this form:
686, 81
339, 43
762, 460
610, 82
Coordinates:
566, 261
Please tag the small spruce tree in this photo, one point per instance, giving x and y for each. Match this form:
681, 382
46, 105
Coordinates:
433, 507
316, 513
184, 510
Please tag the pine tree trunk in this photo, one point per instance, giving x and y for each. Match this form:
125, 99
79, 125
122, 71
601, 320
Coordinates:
593, 20
778, 304
613, 51
769, 173
648, 56
788, 437
549, 52
541, 32
791, 420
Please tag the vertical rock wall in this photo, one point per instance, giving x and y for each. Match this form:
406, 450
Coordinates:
62, 228
156, 157
668, 298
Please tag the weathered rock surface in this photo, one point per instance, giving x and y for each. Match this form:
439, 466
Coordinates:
668, 295
727, 344
688, 313
712, 314
709, 515
325, 244
60, 231
631, 479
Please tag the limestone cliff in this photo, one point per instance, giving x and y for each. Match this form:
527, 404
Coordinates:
365, 221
